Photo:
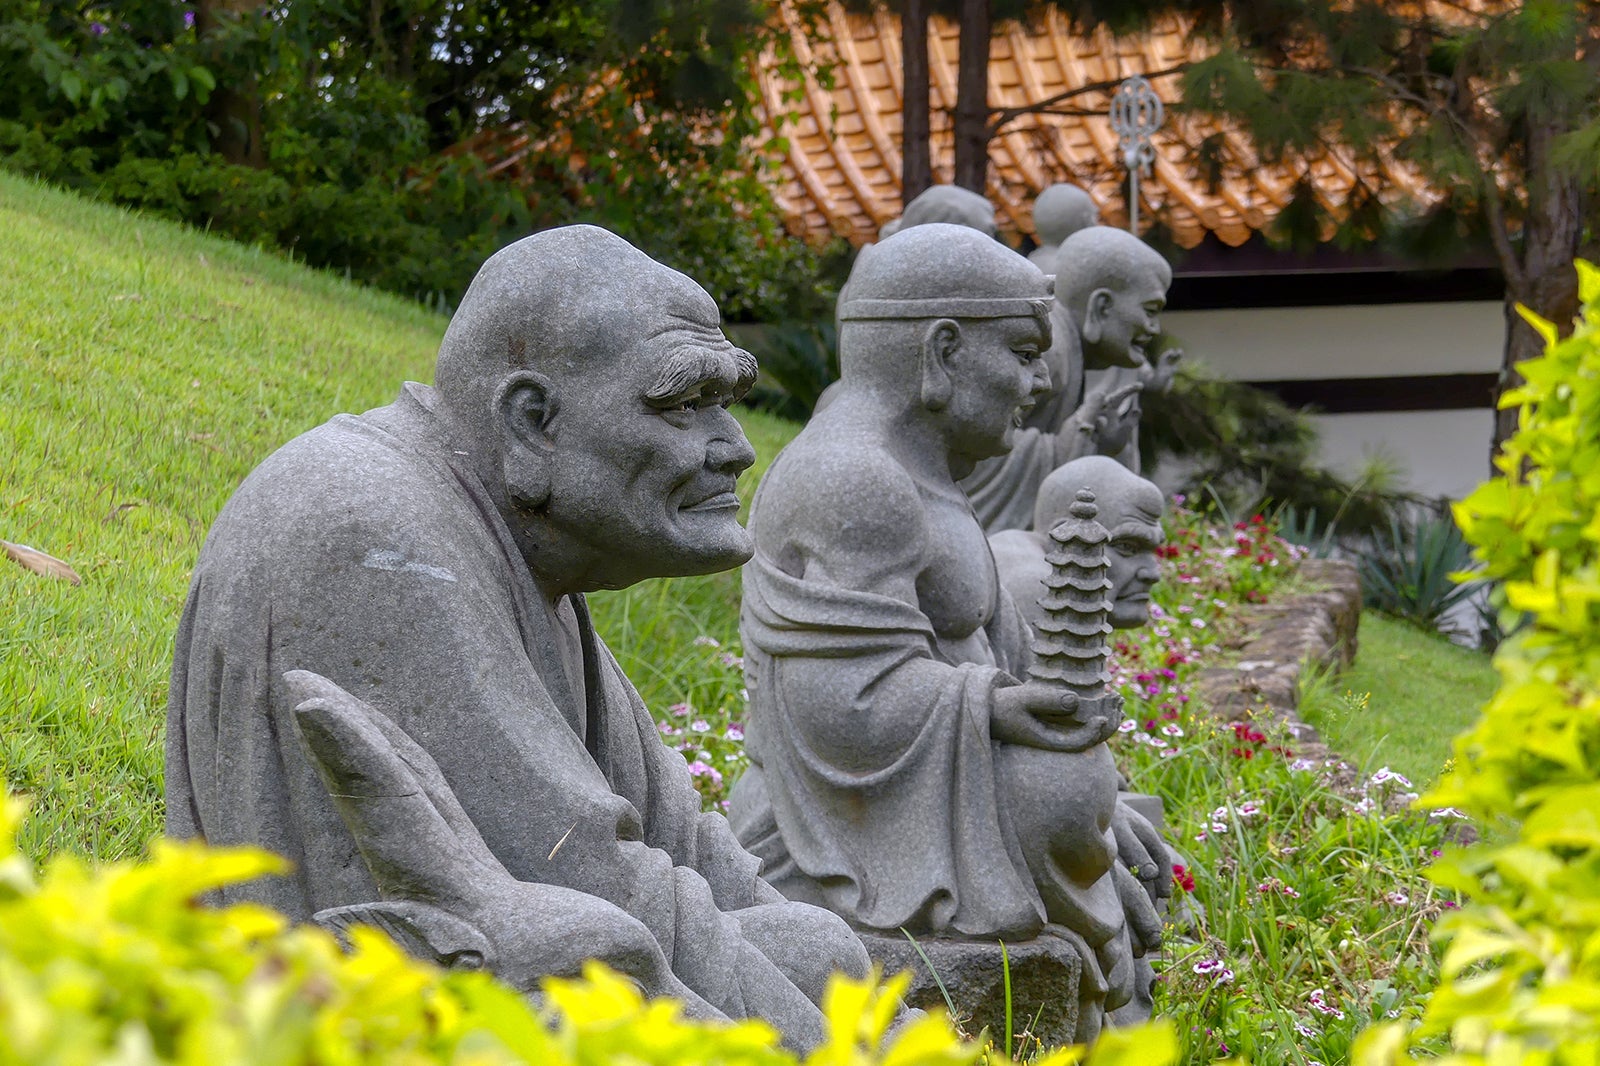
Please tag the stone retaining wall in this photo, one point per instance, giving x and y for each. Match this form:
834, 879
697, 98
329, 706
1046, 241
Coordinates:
1313, 630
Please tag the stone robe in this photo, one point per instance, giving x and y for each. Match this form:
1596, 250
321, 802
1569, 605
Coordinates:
365, 551
872, 788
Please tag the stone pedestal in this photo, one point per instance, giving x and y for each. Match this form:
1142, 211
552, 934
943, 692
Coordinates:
1044, 982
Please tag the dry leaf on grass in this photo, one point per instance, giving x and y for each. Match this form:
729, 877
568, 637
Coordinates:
40, 563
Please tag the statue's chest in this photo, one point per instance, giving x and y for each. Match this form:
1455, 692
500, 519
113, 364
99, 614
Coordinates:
957, 587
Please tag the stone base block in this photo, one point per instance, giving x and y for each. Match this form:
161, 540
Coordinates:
1044, 982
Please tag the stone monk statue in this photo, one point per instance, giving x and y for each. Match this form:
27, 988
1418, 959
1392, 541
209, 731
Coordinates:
1130, 510
895, 752
1060, 211
391, 609
1110, 290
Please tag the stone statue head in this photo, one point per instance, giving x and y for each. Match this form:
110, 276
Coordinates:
944, 203
945, 323
1130, 509
1062, 210
1115, 286
589, 385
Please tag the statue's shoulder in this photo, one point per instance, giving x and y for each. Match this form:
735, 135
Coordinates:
834, 473
348, 472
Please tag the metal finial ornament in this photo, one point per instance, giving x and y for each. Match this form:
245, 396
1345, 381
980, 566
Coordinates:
1071, 646
1136, 114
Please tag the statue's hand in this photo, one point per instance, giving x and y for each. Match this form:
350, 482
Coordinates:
1142, 851
1039, 715
443, 891
1157, 376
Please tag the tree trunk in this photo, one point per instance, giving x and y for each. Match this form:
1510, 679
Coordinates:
1551, 234
972, 97
916, 160
234, 109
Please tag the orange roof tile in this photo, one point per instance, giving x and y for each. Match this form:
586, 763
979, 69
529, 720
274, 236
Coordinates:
841, 174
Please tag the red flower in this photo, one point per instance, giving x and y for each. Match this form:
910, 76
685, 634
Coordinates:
1182, 877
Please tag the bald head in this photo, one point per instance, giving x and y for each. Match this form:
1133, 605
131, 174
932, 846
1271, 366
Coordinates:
1062, 210
1104, 257
1120, 494
1130, 509
572, 301
928, 272
947, 203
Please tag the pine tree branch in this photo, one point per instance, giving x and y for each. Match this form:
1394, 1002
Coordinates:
1005, 115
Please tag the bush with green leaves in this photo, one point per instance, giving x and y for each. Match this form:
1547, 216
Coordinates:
341, 131
117, 963
1520, 966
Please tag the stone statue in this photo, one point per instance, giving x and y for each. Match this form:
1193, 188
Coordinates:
1060, 211
901, 767
944, 203
1110, 290
1130, 509
406, 587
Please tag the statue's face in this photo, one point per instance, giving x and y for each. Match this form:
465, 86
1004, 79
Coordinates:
998, 374
646, 481
1134, 568
1123, 323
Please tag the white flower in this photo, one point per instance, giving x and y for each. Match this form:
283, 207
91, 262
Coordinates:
1219, 827
707, 642
1366, 806
1249, 809
1172, 729
1169, 753
1398, 899
1386, 774
1305, 1030
1300, 766
1198, 623
1128, 725
1447, 812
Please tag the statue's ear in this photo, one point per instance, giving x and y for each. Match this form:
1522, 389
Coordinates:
939, 344
1096, 312
524, 406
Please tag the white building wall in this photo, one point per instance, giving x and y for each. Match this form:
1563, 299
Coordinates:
1439, 453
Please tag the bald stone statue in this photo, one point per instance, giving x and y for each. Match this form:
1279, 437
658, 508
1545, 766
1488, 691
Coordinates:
386, 670
944, 203
1060, 211
1130, 510
1109, 293
901, 773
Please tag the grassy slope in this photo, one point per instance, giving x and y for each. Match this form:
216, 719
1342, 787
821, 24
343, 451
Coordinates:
1422, 690
144, 370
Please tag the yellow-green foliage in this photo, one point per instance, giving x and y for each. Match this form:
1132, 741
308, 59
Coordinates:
116, 963
1521, 966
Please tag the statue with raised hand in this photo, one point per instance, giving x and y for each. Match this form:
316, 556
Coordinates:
1110, 290
430, 558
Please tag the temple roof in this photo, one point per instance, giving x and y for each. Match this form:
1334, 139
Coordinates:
841, 172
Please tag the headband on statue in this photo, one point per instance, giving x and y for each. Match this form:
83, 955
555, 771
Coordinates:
946, 307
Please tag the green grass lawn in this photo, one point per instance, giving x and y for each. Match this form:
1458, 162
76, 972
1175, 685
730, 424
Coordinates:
145, 369
1403, 702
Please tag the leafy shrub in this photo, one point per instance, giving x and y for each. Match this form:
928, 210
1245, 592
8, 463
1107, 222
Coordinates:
1521, 961
1409, 570
118, 964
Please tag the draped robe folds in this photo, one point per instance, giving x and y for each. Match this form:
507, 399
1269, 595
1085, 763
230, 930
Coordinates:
1003, 489
366, 552
910, 834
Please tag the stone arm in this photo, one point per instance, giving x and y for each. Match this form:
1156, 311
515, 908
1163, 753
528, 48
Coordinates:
865, 528
443, 894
